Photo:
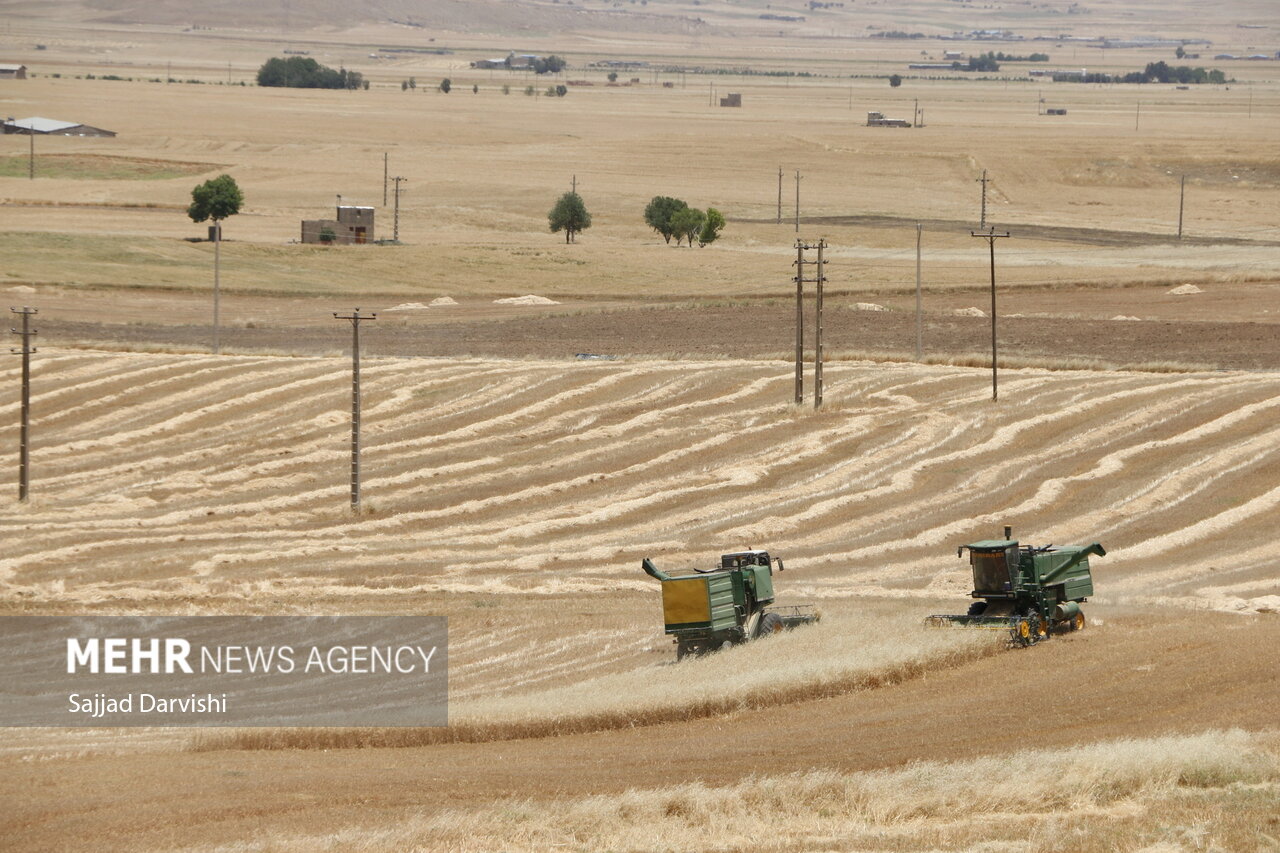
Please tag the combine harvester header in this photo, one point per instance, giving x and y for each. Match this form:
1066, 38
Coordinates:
1029, 591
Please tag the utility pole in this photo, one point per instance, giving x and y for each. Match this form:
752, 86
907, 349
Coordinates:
355, 317
24, 431
779, 195
819, 279
797, 201
574, 184
395, 231
31, 156
1137, 114
799, 322
217, 285
919, 320
1182, 195
384, 177
982, 223
817, 329
991, 237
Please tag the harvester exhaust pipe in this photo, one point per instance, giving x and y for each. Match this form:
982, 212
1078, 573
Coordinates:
653, 570
1008, 532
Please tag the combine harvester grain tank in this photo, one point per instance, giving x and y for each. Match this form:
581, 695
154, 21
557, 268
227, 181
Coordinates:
728, 605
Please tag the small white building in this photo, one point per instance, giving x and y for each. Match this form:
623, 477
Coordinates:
13, 72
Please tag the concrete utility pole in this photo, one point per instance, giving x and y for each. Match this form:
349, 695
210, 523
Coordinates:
982, 223
395, 230
1137, 114
574, 184
355, 317
24, 431
1182, 196
797, 201
818, 279
31, 156
779, 195
799, 322
384, 177
919, 320
991, 237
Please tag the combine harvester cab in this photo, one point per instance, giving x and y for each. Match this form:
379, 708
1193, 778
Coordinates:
708, 609
1029, 591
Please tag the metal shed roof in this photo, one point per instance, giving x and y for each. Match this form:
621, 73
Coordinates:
43, 125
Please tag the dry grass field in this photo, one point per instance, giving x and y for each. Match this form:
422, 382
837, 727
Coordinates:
515, 489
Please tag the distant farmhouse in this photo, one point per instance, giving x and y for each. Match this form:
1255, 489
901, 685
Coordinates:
515, 61
37, 126
13, 72
353, 225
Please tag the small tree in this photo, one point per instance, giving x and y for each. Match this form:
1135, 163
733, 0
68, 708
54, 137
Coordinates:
475, 88
561, 90
569, 215
506, 90
1181, 52
327, 236
686, 224
895, 80
413, 82
528, 90
445, 85
613, 76
216, 199
658, 213
712, 227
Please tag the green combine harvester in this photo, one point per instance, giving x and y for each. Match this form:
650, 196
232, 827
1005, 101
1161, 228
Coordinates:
712, 608
1028, 591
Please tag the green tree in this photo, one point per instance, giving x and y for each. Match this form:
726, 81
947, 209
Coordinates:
658, 213
569, 215
711, 227
475, 88
303, 72
562, 90
413, 82
327, 236
613, 76
686, 223
549, 65
895, 80
445, 85
1181, 52
216, 199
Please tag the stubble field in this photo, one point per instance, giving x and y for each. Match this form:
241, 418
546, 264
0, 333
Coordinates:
515, 489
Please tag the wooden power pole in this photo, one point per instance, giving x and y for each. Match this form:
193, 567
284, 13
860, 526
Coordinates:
991, 237
24, 431
385, 173
819, 279
355, 317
